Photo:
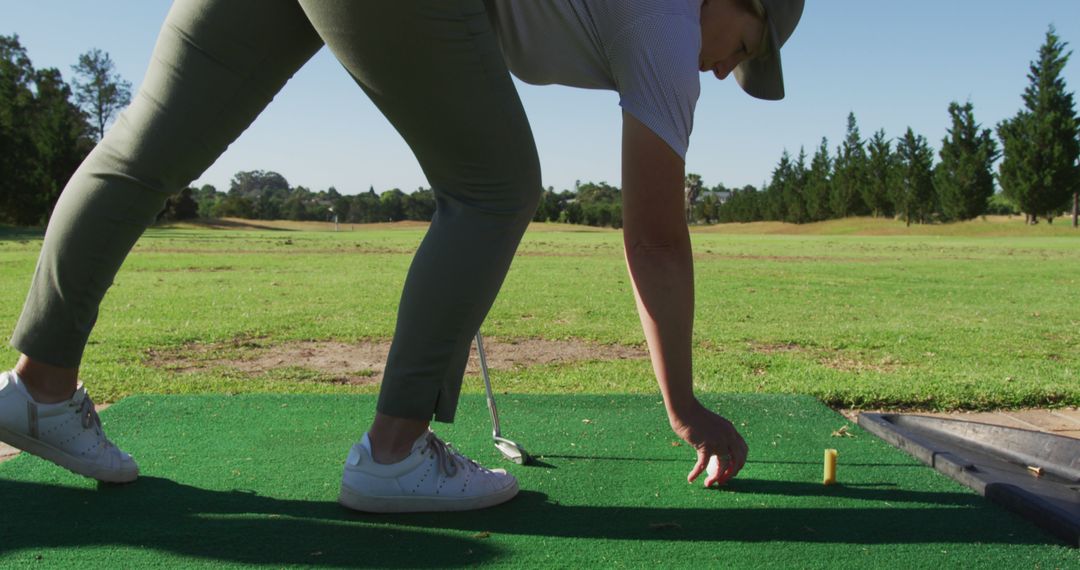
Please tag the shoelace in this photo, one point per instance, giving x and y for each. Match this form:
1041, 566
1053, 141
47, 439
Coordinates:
449, 460
89, 416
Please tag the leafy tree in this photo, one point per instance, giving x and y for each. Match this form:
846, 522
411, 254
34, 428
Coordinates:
707, 209
234, 206
182, 206
691, 188
60, 136
364, 208
595, 204
186, 208
269, 205
99, 89
293, 208
602, 192
342, 206
999, 205
251, 182
616, 219
18, 157
207, 197
43, 136
1039, 170
392, 205
746, 204
266, 192
420, 205
572, 213
548, 208
819, 184
849, 174
915, 188
963, 179
881, 173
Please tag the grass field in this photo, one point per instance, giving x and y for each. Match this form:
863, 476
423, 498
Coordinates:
858, 313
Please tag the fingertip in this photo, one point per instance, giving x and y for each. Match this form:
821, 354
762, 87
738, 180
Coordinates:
699, 466
723, 476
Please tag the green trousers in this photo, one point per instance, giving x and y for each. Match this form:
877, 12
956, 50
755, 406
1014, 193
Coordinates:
433, 67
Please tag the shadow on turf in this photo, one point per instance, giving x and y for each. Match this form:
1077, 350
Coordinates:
245, 527
232, 526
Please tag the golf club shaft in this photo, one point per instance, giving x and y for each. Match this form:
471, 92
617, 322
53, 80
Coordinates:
487, 385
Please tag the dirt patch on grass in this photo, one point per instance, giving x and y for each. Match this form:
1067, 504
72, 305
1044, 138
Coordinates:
774, 348
835, 359
284, 250
341, 250
846, 363
362, 363
709, 256
188, 269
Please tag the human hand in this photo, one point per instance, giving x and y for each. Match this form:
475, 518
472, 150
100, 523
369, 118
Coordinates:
711, 435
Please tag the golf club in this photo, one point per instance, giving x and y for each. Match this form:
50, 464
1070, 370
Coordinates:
509, 449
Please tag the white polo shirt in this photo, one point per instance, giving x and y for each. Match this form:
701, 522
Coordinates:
646, 50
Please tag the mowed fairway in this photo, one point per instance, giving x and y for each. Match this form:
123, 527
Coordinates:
973, 319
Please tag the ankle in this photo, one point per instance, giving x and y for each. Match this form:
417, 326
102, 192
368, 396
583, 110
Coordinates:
392, 438
387, 456
47, 384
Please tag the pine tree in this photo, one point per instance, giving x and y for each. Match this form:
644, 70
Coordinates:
775, 208
819, 184
963, 179
60, 134
874, 198
849, 175
1039, 171
915, 183
881, 174
793, 188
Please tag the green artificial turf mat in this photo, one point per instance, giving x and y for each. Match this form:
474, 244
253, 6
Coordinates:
253, 480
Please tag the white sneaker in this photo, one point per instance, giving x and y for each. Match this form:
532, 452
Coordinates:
68, 433
434, 477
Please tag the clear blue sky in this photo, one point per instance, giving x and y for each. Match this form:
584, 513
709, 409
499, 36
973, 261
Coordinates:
895, 64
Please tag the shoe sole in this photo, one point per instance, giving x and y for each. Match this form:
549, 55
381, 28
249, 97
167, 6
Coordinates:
66, 460
406, 504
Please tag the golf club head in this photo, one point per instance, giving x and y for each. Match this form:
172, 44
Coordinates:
512, 451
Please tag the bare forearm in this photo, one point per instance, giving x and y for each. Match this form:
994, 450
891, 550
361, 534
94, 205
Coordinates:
657, 245
663, 279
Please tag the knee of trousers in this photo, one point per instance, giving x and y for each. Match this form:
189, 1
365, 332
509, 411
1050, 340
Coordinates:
506, 194
520, 190
528, 196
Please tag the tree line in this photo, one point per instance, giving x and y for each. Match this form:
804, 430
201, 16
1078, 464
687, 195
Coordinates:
1039, 172
47, 128
267, 195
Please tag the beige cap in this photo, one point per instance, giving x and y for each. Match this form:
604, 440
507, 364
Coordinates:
762, 77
